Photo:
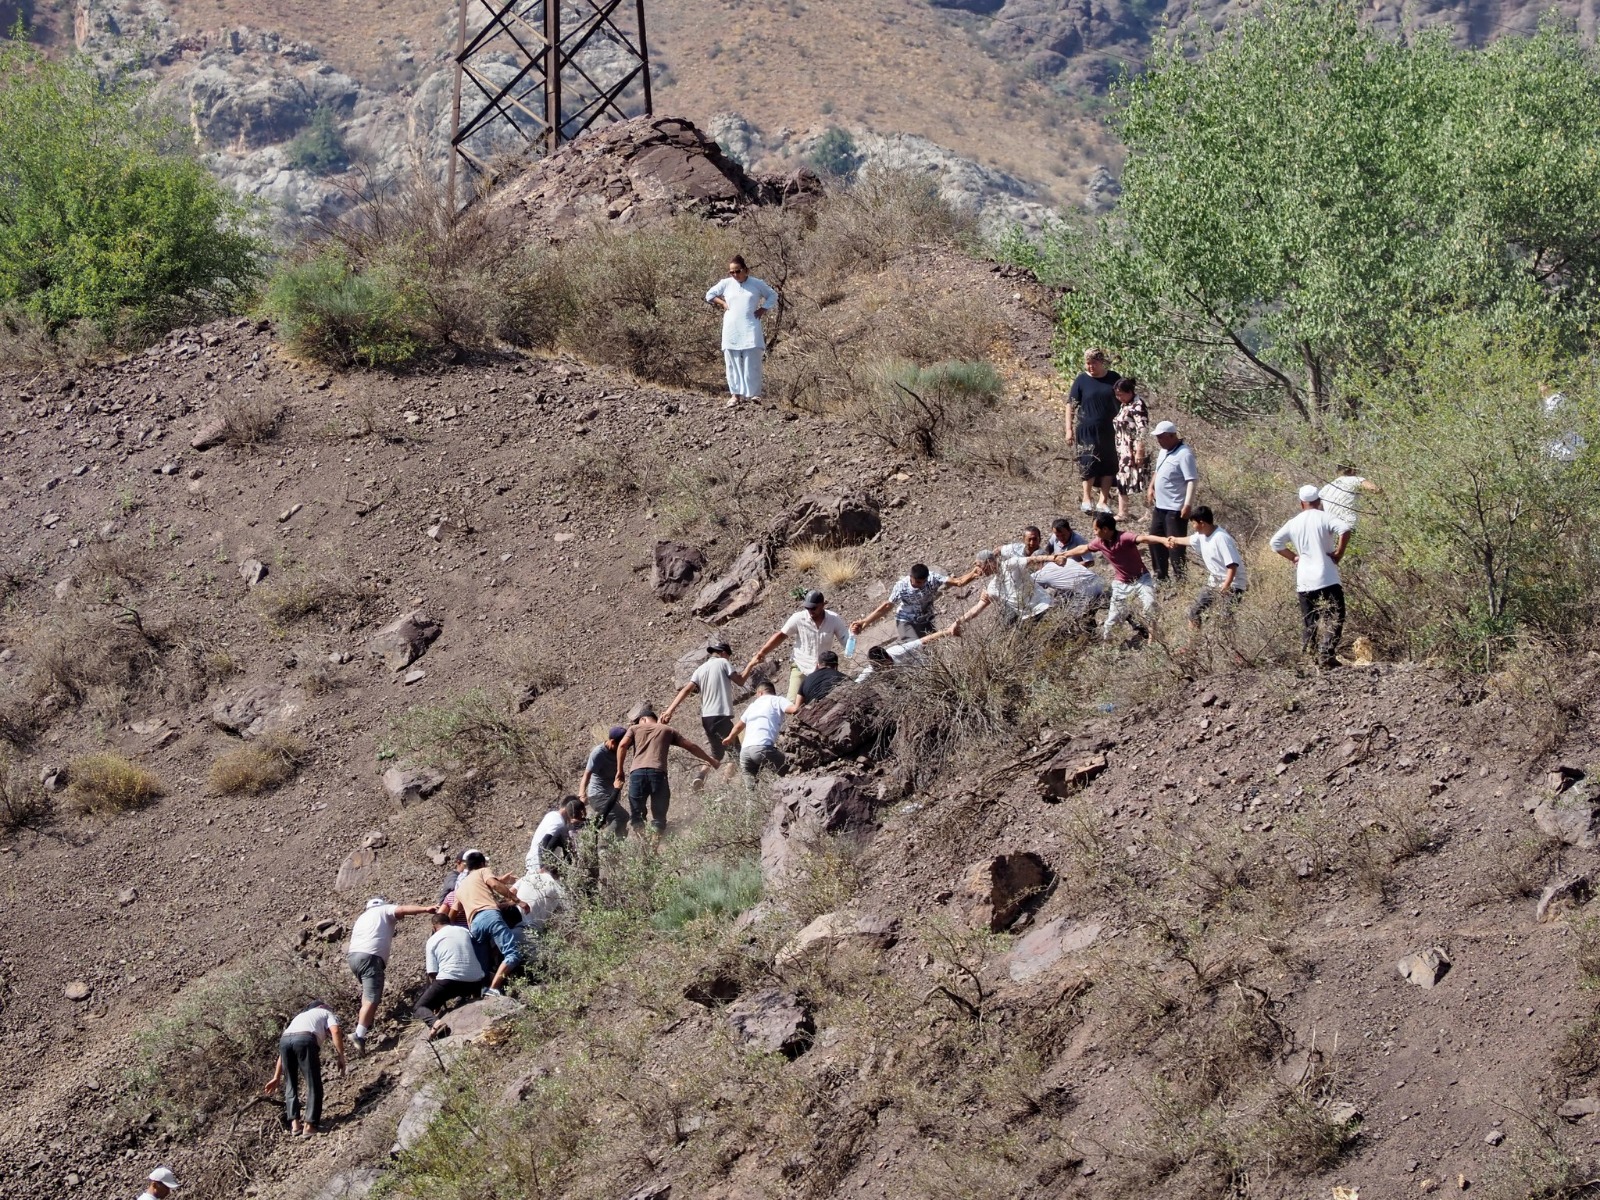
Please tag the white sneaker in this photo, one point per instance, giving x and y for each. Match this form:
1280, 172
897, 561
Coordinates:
493, 992
1088, 508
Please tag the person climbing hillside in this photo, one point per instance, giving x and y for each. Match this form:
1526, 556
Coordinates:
452, 967
815, 628
557, 832
744, 300
1129, 428
1219, 553
1130, 577
1342, 499
1091, 411
491, 910
756, 731
371, 939
161, 1184
598, 785
1171, 497
298, 1070
714, 680
1315, 542
649, 786
820, 682
897, 654
1021, 598
912, 598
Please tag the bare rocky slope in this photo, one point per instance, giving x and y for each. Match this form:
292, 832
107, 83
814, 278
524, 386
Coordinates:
1155, 949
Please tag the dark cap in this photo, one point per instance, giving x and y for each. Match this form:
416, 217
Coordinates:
815, 599
719, 648
616, 733
827, 659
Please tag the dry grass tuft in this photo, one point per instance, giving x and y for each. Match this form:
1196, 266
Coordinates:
267, 763
835, 568
250, 419
296, 599
109, 783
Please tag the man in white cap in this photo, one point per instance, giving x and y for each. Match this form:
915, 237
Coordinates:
371, 938
162, 1184
1315, 543
1171, 499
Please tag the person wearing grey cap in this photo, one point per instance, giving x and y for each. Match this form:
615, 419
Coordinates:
162, 1183
814, 628
714, 679
1171, 499
598, 786
1314, 542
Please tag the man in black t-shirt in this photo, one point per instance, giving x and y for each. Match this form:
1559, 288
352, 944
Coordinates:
820, 682
1091, 406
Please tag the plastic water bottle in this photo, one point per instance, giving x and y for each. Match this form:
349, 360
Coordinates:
850, 646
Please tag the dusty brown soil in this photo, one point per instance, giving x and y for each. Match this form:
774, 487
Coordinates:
537, 546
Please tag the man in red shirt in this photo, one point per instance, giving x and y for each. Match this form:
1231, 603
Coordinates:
1131, 578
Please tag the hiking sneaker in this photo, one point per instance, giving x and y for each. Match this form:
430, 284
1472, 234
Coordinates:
1088, 508
493, 992
361, 1042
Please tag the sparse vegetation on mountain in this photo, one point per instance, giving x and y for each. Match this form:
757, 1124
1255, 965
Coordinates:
106, 218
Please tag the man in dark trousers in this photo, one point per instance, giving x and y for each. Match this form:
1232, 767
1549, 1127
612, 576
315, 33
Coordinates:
1171, 498
648, 784
1314, 542
1091, 408
298, 1070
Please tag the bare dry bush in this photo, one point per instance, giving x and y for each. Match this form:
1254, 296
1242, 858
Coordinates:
26, 343
119, 562
250, 419
259, 766
108, 783
291, 600
71, 656
22, 802
885, 214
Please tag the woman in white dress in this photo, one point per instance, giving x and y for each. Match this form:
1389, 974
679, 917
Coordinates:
744, 300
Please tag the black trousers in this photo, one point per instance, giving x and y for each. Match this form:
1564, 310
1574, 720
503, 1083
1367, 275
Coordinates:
439, 993
1322, 615
301, 1058
1165, 522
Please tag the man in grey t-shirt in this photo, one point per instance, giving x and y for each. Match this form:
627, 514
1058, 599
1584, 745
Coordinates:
598, 786
1171, 497
714, 679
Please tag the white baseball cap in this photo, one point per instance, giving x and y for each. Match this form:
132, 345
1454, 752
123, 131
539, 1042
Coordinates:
164, 1176
376, 902
1164, 427
1309, 493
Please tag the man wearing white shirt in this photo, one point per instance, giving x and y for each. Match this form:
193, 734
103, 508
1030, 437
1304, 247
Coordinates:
1315, 543
814, 628
556, 832
744, 300
1171, 497
1219, 553
1342, 497
454, 972
756, 732
371, 938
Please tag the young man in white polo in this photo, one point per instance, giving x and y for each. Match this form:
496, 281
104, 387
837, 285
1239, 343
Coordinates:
1219, 553
1314, 542
815, 628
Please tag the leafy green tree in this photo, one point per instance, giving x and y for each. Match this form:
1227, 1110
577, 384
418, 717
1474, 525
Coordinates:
105, 216
1302, 193
320, 146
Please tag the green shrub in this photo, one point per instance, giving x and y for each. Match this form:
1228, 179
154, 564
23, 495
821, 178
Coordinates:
1484, 529
925, 410
335, 313
835, 155
320, 145
213, 1050
716, 891
475, 732
105, 216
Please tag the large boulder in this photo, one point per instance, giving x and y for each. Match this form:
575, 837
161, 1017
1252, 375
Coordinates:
806, 809
410, 785
834, 518
405, 639
737, 589
1047, 945
1566, 809
1070, 771
999, 889
774, 1021
833, 930
675, 569
256, 710
848, 723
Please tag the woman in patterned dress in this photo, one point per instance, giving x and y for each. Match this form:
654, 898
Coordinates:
1129, 426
